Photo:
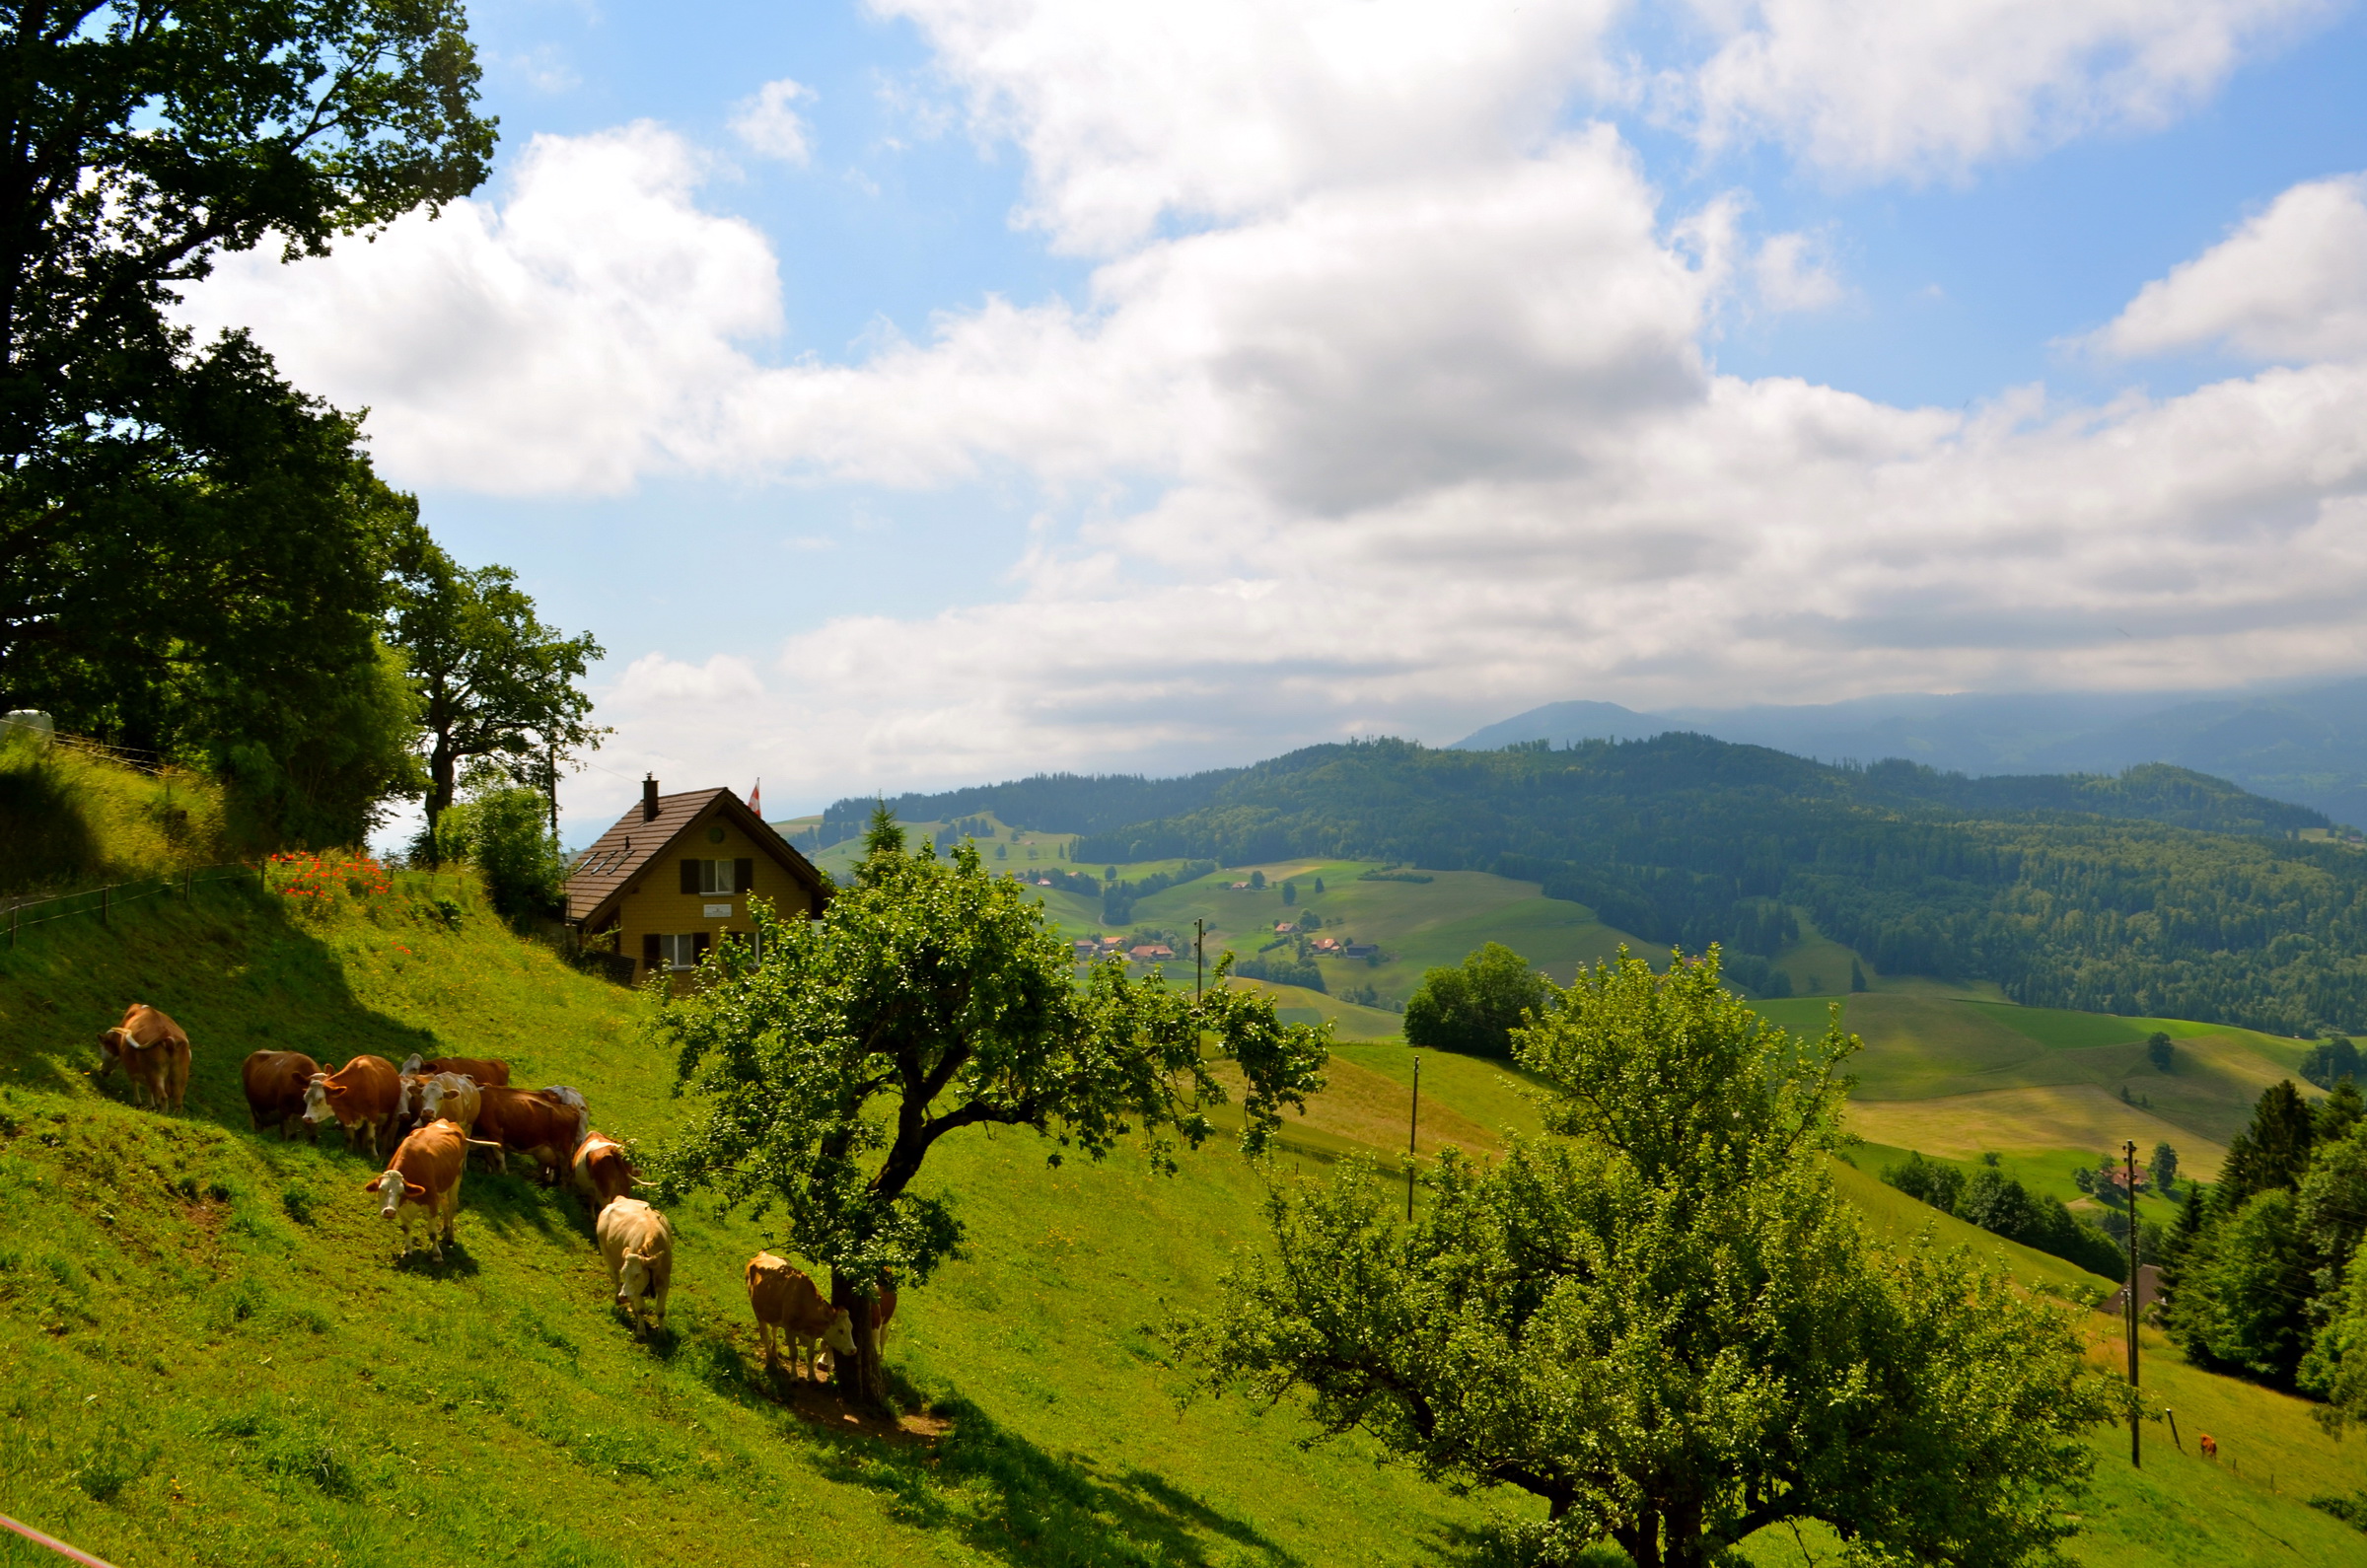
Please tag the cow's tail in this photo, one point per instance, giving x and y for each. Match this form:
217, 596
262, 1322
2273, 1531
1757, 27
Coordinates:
482, 1143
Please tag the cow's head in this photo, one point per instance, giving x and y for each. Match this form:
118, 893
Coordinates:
632, 1278
393, 1188
410, 1065
315, 1098
840, 1335
432, 1094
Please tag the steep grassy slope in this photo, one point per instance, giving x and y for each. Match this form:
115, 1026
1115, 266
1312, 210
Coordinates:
209, 1355
71, 817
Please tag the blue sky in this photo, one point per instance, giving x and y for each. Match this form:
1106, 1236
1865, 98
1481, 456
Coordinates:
1050, 385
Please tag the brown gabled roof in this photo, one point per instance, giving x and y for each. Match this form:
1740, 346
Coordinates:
622, 854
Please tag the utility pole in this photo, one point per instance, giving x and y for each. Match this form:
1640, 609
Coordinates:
1199, 958
2128, 1154
1413, 1124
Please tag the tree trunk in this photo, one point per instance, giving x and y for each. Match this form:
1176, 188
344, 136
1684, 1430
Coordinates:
441, 767
865, 1376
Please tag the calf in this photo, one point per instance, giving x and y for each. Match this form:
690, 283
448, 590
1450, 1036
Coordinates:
785, 1300
637, 1245
276, 1083
604, 1172
363, 1095
425, 1175
529, 1124
155, 1053
2209, 1446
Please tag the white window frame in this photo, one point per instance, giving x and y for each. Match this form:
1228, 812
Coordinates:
678, 951
719, 877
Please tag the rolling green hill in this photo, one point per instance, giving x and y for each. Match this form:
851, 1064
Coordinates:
2159, 892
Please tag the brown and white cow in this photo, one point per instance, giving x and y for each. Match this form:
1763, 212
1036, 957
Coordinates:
362, 1096
2209, 1446
486, 1070
785, 1300
154, 1052
604, 1171
424, 1177
276, 1083
530, 1123
637, 1245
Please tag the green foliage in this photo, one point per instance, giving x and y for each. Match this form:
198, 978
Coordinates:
493, 682
2159, 1052
1476, 1006
71, 820
1257, 879
2243, 1292
2331, 1061
1290, 892
2003, 1206
2162, 1170
505, 833
193, 547
928, 998
1282, 968
2273, 1152
1663, 1320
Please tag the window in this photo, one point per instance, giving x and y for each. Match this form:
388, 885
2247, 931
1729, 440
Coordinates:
683, 952
718, 876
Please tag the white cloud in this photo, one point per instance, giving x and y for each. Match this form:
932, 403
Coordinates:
1791, 272
1876, 88
767, 123
1227, 108
2290, 284
571, 339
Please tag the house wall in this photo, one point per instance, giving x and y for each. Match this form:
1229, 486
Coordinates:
655, 901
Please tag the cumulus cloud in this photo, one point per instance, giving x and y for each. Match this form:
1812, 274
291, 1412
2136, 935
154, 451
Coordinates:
570, 338
1791, 272
1873, 88
2290, 284
768, 124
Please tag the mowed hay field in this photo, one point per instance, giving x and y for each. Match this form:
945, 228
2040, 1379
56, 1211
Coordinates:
211, 1356
1956, 1076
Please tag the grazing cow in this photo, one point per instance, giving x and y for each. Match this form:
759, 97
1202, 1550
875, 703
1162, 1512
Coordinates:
561, 1095
488, 1073
155, 1053
785, 1300
425, 1175
637, 1245
604, 1172
450, 1096
883, 1311
528, 1124
276, 1083
2209, 1446
363, 1095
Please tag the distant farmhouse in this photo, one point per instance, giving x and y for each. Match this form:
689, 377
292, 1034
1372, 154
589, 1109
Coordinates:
676, 873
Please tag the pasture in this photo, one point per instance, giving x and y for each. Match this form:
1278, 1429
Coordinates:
211, 1356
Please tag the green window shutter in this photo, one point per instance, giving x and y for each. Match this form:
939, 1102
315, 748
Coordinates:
745, 880
690, 876
649, 953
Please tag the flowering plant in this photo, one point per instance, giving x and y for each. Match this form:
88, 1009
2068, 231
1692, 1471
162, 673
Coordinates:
318, 883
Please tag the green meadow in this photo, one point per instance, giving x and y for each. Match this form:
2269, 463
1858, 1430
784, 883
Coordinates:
213, 1355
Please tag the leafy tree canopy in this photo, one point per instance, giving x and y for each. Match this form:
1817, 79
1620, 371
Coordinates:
1475, 1006
1663, 1320
928, 998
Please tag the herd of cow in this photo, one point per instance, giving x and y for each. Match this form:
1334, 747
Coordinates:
432, 1114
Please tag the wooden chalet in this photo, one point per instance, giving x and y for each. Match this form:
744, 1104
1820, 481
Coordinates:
675, 876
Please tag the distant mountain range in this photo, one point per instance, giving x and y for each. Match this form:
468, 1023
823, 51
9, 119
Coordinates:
2308, 746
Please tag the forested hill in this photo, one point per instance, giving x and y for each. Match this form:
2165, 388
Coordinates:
2160, 891
1056, 803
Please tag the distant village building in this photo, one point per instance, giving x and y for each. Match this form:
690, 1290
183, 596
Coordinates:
1151, 953
1359, 949
676, 873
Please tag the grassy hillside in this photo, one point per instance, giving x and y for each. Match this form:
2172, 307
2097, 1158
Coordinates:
71, 819
212, 1358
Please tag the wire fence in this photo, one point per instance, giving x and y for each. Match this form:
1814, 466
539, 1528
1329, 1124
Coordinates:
104, 900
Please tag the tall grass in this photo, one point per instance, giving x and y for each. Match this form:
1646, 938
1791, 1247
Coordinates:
70, 818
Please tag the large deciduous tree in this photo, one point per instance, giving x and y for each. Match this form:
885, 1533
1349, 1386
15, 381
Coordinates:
493, 680
192, 551
929, 997
1475, 1006
1663, 1320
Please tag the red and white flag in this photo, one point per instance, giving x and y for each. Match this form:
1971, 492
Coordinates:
755, 798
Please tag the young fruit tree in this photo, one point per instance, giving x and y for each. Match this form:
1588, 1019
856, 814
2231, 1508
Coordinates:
1662, 1317
929, 997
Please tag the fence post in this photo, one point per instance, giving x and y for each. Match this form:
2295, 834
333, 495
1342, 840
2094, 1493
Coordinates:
105, 895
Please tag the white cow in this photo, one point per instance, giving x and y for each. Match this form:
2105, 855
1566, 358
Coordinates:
637, 1245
